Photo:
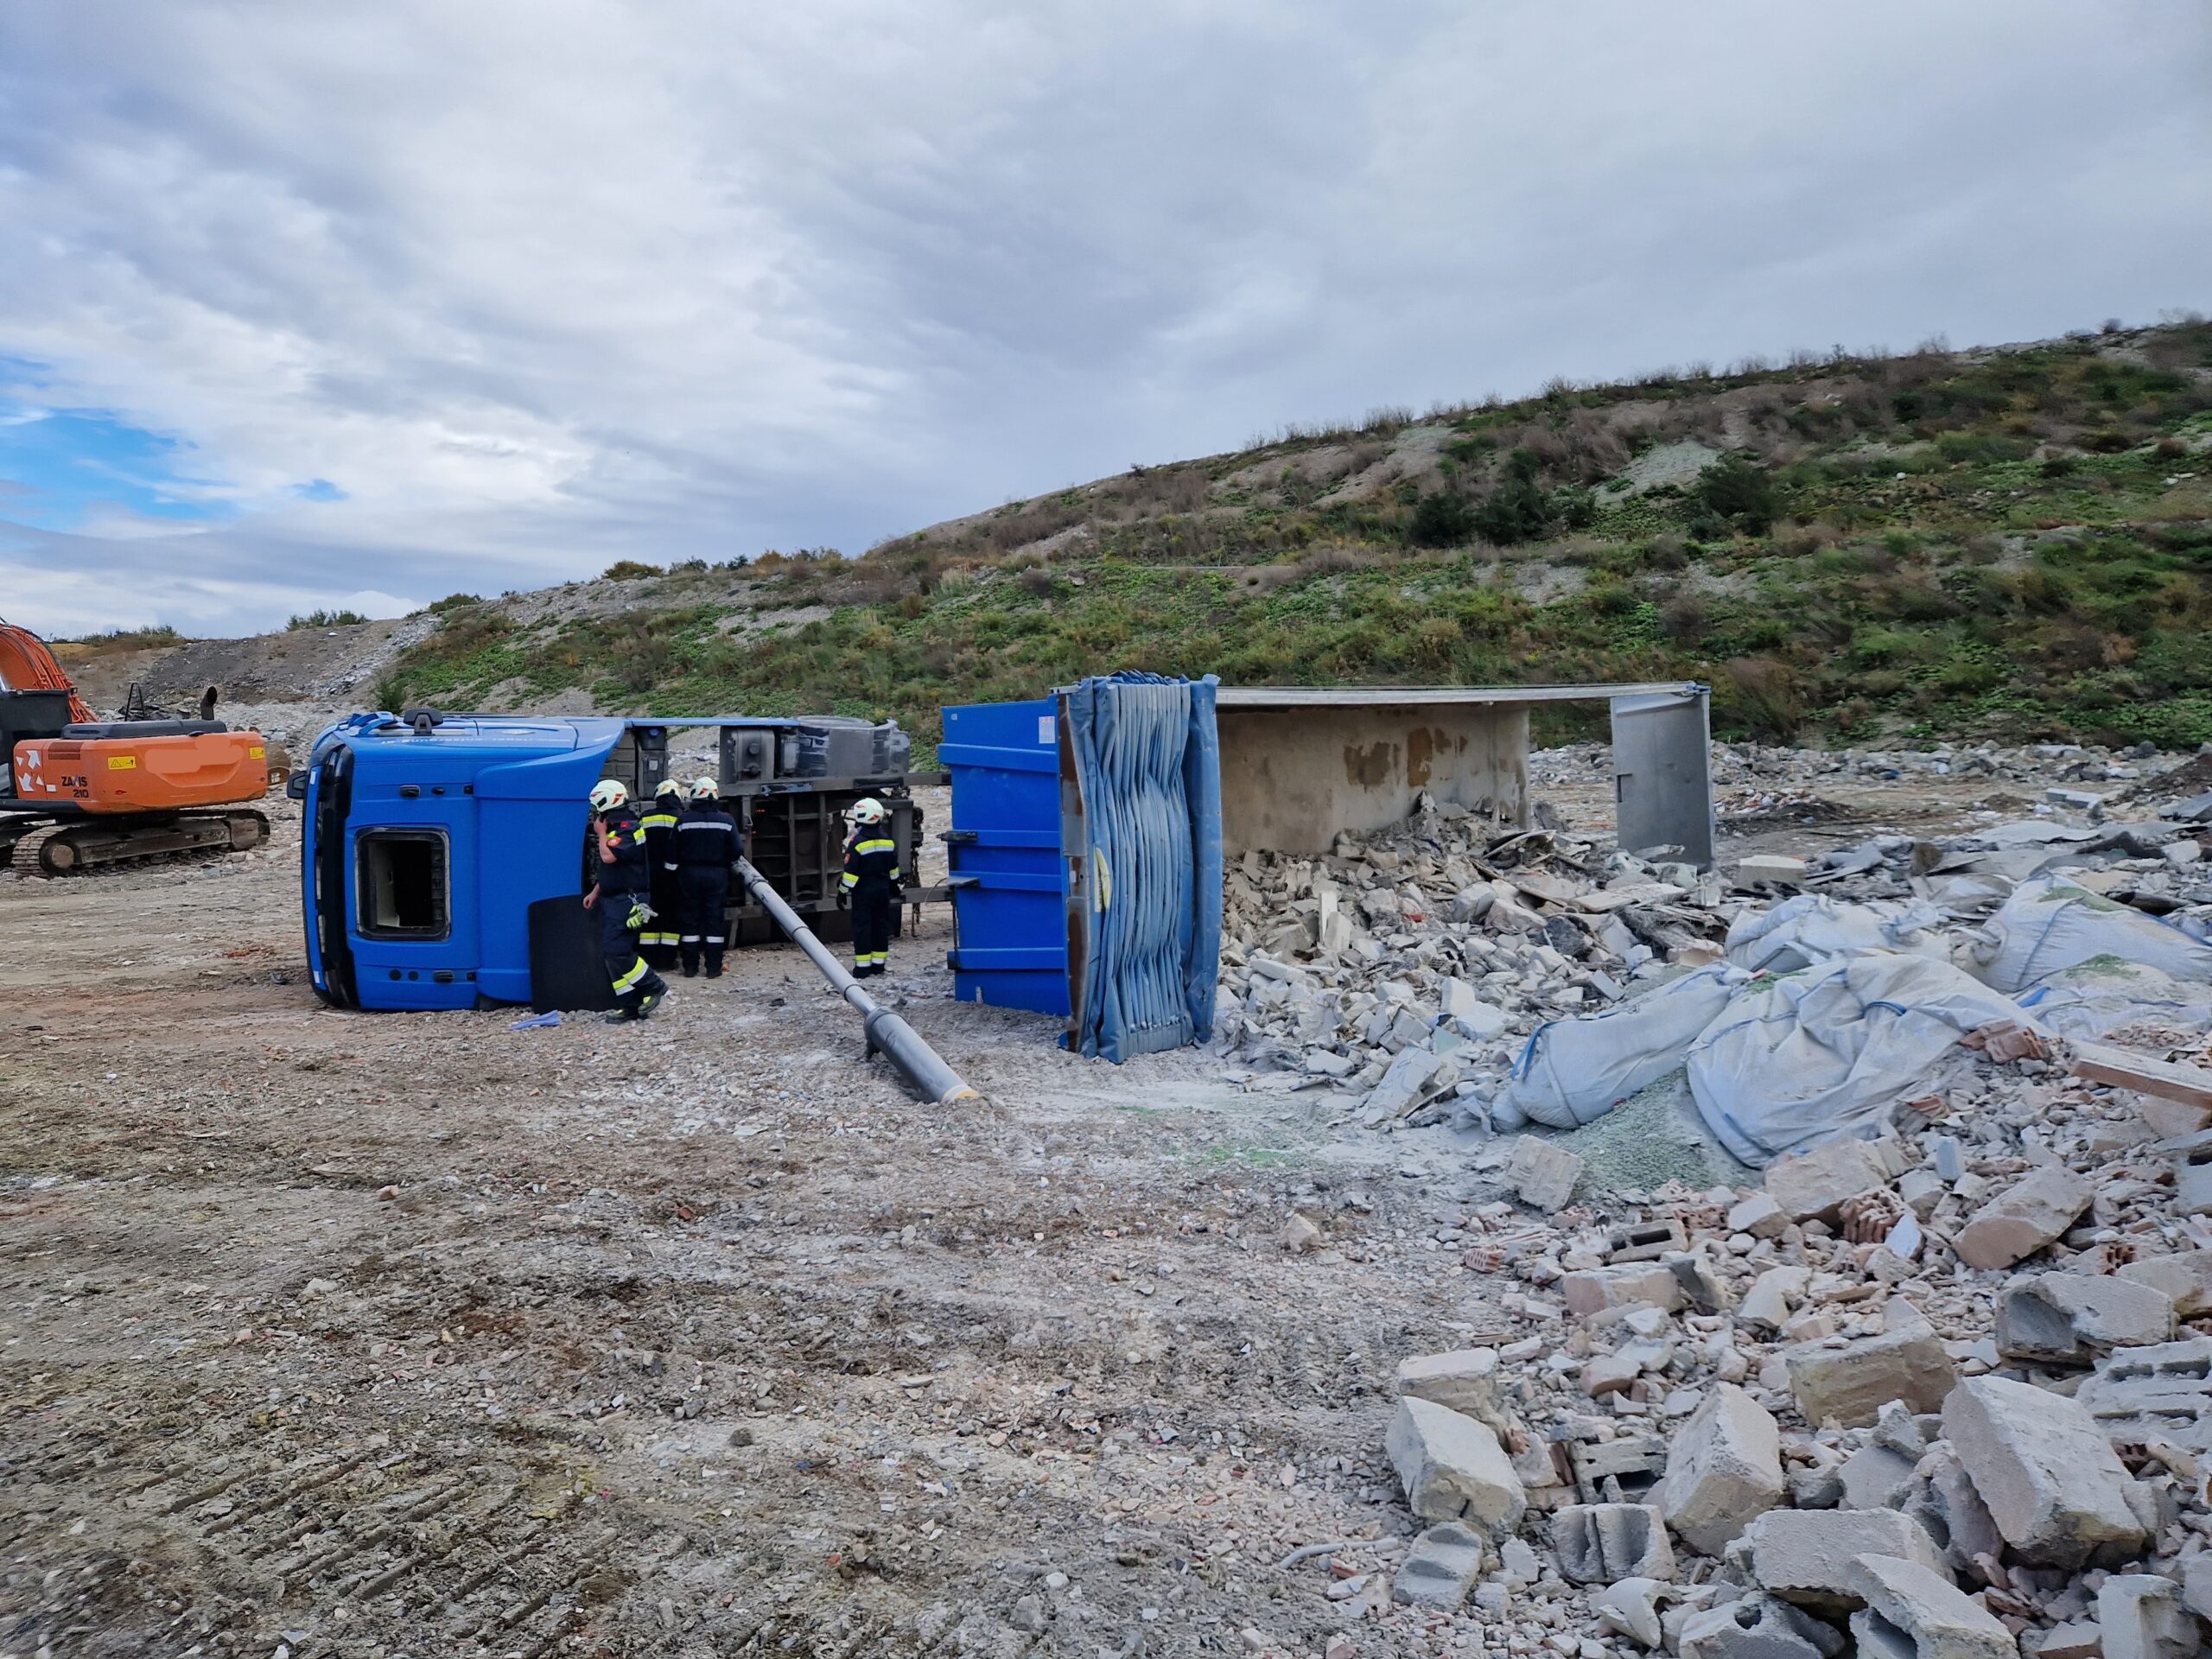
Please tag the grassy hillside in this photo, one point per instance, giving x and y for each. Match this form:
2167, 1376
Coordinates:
2003, 544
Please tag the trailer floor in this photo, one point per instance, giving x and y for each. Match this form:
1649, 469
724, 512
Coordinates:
397, 1334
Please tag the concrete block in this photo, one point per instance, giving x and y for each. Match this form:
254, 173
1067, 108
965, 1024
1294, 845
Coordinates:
1814, 1185
2052, 1483
1464, 1381
2197, 1584
1913, 1611
1724, 1468
1543, 1175
2159, 1393
1757, 1627
1700, 1286
2068, 1319
2025, 1218
2077, 1639
1592, 1289
2142, 1617
1875, 1478
1759, 1216
1441, 1568
1453, 1468
1600, 1542
1645, 1240
1773, 1295
1804, 1555
1850, 1384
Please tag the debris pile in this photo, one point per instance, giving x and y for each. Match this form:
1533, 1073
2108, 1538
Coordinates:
1458, 969
1944, 1391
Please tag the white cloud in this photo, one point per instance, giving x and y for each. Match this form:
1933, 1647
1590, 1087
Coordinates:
540, 285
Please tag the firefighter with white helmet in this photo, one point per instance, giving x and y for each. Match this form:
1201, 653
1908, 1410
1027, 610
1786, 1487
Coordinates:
619, 896
870, 886
705, 852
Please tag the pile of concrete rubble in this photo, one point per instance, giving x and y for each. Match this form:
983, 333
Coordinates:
1417, 971
1946, 1392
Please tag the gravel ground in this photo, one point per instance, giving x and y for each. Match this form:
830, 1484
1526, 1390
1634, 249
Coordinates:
332, 1333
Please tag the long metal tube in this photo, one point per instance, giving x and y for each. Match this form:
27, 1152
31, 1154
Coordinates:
916, 1061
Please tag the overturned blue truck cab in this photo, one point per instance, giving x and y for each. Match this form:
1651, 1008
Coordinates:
426, 838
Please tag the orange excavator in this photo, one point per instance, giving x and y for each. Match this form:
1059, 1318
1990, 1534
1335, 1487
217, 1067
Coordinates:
96, 793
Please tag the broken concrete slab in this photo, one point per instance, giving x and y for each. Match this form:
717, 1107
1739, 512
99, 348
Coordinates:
1773, 1297
2077, 1639
2025, 1218
1875, 1478
1542, 1174
1759, 1216
2052, 1483
2070, 1319
1814, 1186
1598, 1543
2186, 1277
1630, 1607
1723, 1469
1849, 1383
1590, 1290
1757, 1627
1914, 1611
2126, 1068
1775, 869
1452, 1467
2163, 1392
1441, 1568
1464, 1380
1804, 1555
2142, 1617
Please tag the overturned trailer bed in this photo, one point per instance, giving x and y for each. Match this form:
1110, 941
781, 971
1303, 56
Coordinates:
1300, 764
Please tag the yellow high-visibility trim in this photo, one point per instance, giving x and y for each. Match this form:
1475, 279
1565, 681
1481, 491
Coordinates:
638, 971
875, 846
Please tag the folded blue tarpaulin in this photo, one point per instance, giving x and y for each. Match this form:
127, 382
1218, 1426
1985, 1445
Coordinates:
1147, 763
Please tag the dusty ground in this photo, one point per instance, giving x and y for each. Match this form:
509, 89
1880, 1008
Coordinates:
335, 1333
380, 1334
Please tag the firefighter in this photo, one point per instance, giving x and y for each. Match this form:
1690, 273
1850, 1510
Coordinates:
870, 886
706, 850
657, 940
619, 896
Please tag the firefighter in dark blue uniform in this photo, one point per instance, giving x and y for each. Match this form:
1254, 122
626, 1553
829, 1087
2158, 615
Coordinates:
870, 886
619, 896
706, 850
657, 939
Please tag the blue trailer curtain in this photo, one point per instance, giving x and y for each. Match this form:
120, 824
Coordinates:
1148, 759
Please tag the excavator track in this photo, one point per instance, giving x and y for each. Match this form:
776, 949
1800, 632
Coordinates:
86, 846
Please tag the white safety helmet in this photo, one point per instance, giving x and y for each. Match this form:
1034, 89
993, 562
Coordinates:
705, 789
669, 786
606, 795
868, 811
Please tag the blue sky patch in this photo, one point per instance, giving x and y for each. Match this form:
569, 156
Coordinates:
66, 468
318, 489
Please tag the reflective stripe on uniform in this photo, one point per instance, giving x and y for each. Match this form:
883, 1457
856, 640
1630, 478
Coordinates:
883, 846
850, 879
628, 982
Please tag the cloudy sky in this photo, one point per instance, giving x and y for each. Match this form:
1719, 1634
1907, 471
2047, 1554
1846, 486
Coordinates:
308, 305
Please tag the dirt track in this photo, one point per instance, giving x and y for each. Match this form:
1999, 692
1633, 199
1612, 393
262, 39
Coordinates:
695, 1338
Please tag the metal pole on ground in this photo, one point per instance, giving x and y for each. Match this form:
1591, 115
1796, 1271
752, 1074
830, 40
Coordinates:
916, 1061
